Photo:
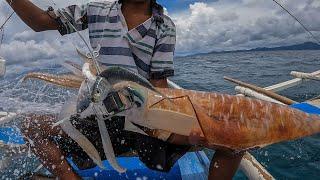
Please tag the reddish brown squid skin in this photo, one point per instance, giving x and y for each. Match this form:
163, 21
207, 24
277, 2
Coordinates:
68, 81
240, 123
231, 122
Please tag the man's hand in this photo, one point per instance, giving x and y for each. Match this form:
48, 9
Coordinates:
196, 138
160, 83
36, 18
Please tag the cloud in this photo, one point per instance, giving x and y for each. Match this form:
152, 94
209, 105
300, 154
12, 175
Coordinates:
46, 47
202, 27
230, 25
19, 51
24, 47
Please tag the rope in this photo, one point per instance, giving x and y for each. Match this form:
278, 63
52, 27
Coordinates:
2, 37
8, 18
2, 27
294, 17
95, 62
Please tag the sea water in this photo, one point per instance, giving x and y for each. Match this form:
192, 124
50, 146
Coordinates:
296, 159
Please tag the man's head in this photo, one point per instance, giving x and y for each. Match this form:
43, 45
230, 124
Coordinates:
155, 7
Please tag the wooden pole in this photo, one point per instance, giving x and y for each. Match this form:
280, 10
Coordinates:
262, 91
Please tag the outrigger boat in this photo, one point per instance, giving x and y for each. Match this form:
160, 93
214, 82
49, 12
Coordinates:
249, 165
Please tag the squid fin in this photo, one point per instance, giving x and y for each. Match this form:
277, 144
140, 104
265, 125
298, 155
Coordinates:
107, 147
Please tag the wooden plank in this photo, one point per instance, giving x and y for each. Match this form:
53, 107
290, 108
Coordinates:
315, 102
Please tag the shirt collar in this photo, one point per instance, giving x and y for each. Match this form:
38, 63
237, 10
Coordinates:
157, 12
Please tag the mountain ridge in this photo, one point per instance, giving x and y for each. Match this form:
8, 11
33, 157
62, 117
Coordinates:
295, 47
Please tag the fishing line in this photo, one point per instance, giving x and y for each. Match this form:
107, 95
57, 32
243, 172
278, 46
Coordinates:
300, 22
7, 19
95, 62
103, 130
2, 27
5, 22
2, 36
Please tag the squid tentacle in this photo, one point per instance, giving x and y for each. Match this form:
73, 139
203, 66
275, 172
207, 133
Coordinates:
73, 67
83, 142
107, 147
70, 81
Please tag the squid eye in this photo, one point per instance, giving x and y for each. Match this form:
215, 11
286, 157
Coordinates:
96, 96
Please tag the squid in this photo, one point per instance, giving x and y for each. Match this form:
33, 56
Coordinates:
226, 121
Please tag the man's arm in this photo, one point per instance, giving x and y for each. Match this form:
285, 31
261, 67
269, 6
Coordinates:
36, 18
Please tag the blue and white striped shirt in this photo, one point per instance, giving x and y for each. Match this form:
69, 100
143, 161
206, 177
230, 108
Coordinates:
147, 49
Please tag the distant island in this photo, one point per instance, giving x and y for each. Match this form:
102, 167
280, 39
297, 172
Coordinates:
296, 47
303, 46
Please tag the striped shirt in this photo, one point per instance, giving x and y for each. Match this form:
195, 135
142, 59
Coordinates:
147, 49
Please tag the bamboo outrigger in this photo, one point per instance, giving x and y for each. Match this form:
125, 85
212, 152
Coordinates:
303, 75
260, 93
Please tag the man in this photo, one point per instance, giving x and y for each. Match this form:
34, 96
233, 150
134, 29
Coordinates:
134, 34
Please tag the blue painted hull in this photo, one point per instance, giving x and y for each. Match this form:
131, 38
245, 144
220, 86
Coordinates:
190, 166
135, 169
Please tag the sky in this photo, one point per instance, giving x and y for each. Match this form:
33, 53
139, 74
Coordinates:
202, 26
179, 5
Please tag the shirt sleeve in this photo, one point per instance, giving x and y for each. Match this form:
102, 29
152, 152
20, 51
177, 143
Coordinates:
162, 60
72, 17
